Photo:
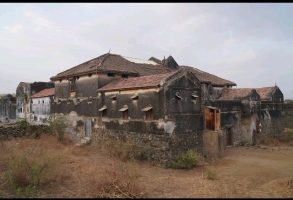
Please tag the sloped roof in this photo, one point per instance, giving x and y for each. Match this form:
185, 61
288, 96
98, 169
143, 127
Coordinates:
44, 93
135, 82
156, 60
233, 94
113, 63
265, 92
205, 77
24, 84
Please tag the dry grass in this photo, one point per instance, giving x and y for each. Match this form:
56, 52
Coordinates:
87, 172
212, 174
125, 150
120, 181
269, 141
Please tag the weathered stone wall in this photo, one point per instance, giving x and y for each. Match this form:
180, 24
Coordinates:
272, 122
288, 118
162, 149
9, 131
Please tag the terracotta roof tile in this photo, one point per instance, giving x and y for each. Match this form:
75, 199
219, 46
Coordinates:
235, 93
135, 82
205, 77
113, 63
265, 92
44, 93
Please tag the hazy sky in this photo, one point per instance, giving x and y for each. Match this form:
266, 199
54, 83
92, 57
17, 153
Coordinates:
249, 44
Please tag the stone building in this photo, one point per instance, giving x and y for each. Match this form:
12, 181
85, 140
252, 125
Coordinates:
23, 93
158, 103
240, 114
7, 107
41, 105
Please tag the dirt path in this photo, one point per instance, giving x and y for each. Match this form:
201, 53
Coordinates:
242, 172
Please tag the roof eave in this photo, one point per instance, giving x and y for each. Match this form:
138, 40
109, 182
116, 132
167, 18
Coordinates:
122, 89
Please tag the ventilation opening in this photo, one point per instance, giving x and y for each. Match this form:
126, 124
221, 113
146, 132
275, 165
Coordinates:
125, 114
177, 96
89, 75
124, 75
104, 113
113, 97
134, 96
149, 114
111, 74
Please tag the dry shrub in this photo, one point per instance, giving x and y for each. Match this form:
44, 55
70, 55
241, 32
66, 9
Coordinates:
32, 168
124, 149
67, 140
211, 173
33, 161
269, 141
83, 150
119, 182
286, 137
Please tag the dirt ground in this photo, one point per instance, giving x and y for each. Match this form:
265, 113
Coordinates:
242, 172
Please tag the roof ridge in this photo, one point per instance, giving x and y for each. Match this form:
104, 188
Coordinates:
81, 64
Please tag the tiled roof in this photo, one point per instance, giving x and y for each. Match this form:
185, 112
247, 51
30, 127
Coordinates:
265, 92
233, 94
44, 93
205, 77
113, 63
135, 82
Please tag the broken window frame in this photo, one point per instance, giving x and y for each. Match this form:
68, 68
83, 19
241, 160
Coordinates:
72, 86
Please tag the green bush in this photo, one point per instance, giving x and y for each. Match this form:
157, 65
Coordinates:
23, 123
187, 160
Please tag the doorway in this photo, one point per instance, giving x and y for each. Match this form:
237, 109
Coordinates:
88, 127
229, 136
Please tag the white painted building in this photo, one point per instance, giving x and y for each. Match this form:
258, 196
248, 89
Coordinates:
41, 105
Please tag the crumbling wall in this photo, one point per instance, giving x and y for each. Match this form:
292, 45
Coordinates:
157, 138
9, 131
272, 122
214, 143
288, 118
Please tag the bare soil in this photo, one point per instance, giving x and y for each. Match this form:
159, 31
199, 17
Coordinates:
253, 172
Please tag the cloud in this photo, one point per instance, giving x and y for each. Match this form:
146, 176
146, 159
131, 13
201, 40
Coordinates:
14, 28
240, 42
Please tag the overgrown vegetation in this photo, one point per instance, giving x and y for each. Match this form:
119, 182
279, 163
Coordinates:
27, 168
241, 144
23, 123
187, 160
120, 182
57, 126
211, 173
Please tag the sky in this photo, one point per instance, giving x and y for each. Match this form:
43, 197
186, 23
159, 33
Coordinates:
247, 43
